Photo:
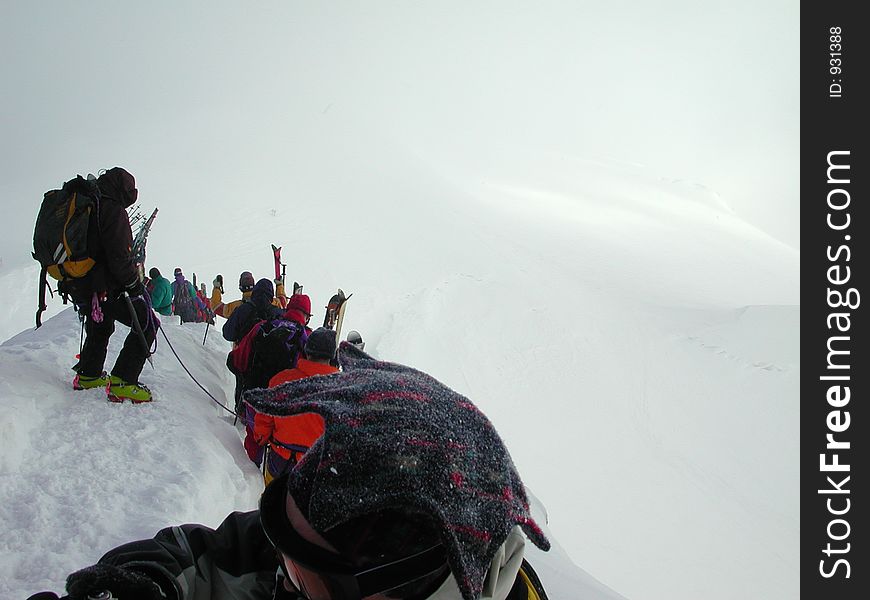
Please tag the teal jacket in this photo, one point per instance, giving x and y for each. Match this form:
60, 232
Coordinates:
161, 297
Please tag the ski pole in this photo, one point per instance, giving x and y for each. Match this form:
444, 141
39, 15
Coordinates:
82, 337
207, 323
137, 326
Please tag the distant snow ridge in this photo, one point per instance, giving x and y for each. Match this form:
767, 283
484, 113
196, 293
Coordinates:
22, 299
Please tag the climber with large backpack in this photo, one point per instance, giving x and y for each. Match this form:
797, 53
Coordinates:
270, 345
83, 240
257, 307
184, 298
288, 438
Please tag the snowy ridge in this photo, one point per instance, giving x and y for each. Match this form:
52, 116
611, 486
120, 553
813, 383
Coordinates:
81, 475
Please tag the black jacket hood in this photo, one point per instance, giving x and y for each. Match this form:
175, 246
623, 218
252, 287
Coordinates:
118, 184
262, 294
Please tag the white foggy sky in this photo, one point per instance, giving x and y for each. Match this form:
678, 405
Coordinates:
212, 104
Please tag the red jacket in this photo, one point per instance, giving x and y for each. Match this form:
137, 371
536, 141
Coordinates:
297, 430
291, 314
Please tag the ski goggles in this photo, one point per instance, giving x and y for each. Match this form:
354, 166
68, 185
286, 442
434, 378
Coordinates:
319, 574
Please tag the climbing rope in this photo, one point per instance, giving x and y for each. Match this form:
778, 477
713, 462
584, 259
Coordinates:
183, 366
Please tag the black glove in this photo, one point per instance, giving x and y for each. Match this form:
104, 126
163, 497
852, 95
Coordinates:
122, 584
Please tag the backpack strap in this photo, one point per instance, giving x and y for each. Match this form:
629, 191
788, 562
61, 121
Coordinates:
296, 448
296, 451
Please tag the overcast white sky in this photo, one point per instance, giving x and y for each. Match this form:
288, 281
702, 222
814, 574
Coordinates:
211, 103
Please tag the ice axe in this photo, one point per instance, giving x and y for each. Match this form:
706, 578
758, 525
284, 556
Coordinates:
137, 326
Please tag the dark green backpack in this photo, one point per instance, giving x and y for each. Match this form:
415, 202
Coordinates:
60, 238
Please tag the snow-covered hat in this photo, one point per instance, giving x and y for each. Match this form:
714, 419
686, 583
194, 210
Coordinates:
397, 438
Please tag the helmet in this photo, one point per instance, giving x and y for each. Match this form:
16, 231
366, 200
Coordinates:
353, 337
246, 281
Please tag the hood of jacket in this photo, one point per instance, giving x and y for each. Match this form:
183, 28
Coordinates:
161, 281
119, 185
262, 294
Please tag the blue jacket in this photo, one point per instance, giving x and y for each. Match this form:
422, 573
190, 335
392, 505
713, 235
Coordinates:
259, 307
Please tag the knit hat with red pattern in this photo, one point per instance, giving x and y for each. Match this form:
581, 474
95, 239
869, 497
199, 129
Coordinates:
397, 438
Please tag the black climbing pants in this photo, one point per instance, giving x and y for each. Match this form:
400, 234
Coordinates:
131, 359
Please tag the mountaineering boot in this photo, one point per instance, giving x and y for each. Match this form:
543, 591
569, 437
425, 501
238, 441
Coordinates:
118, 390
87, 382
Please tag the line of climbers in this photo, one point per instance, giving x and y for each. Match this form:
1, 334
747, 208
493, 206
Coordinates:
99, 273
410, 493
272, 344
382, 482
179, 297
268, 342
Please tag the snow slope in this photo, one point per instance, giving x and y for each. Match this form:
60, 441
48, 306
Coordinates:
634, 342
81, 475
20, 305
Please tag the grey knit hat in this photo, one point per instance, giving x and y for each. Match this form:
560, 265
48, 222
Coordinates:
397, 438
321, 343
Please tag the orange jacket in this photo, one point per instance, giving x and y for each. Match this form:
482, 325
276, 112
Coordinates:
297, 430
225, 310
280, 296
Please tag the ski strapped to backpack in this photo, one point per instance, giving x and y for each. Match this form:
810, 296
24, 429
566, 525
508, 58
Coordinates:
276, 255
139, 242
335, 312
60, 238
280, 275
